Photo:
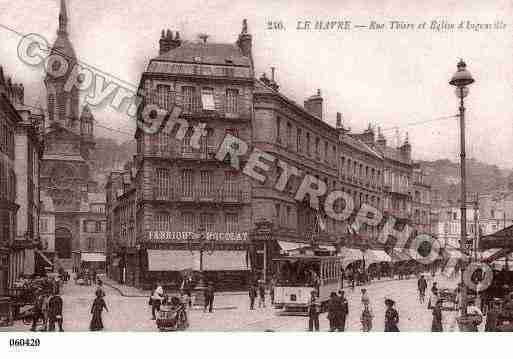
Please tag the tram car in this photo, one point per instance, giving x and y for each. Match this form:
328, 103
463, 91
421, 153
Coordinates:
300, 274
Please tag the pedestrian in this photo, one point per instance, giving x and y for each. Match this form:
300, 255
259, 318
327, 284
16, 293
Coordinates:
272, 284
421, 286
333, 311
252, 296
55, 312
436, 325
261, 293
99, 287
365, 296
366, 317
473, 310
209, 297
37, 313
96, 311
46, 300
343, 311
391, 316
313, 313
492, 316
156, 300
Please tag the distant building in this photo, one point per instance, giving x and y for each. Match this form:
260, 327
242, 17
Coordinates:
421, 201
74, 201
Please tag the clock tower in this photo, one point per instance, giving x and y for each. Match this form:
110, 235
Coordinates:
66, 177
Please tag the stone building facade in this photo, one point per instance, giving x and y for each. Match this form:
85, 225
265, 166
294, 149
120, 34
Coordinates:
77, 205
177, 195
20, 151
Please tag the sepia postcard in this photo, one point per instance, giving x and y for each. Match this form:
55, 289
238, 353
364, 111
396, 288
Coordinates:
255, 166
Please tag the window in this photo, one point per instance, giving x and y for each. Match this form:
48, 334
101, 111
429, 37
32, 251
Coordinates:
51, 107
188, 94
232, 222
278, 125
308, 144
231, 182
317, 141
289, 135
162, 183
89, 226
162, 96
232, 96
162, 222
298, 140
188, 222
277, 214
207, 99
289, 217
90, 244
207, 183
186, 142
325, 151
207, 222
43, 225
187, 183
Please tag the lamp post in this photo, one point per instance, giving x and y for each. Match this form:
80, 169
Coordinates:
200, 238
460, 80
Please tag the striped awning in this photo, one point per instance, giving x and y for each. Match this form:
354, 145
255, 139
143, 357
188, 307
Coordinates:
376, 256
290, 246
179, 260
399, 255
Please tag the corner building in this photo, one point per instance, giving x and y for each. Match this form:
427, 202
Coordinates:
181, 190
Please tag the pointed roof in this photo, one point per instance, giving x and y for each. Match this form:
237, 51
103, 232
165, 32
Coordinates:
62, 45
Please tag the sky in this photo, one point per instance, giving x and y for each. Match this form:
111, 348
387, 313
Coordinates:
394, 79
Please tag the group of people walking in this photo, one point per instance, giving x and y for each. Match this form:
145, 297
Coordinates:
48, 309
258, 289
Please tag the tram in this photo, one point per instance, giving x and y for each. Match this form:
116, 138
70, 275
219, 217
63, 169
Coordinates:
300, 274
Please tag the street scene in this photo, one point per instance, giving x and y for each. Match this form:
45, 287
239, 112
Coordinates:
255, 173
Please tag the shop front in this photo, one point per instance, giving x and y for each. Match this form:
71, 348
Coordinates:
222, 258
92, 261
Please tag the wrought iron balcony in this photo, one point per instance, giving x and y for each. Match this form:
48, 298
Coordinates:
224, 106
200, 195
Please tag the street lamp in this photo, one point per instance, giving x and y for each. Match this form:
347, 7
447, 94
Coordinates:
460, 80
200, 238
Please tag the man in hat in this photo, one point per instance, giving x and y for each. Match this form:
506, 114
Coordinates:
55, 312
313, 312
342, 312
333, 310
422, 286
209, 297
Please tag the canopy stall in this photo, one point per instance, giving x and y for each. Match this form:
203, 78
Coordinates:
290, 246
399, 255
376, 256
350, 255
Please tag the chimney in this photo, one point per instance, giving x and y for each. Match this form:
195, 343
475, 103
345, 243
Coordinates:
273, 83
245, 41
406, 149
167, 42
313, 105
381, 141
265, 79
339, 120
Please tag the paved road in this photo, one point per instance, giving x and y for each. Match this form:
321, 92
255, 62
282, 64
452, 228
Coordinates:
233, 314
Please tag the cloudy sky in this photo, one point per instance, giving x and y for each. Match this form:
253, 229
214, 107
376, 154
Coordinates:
396, 79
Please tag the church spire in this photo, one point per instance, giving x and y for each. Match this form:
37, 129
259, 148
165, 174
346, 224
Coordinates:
63, 19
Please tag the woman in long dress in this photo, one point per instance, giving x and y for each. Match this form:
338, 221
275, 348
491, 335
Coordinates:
96, 311
391, 317
436, 325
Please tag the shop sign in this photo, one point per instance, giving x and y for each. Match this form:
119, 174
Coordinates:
163, 236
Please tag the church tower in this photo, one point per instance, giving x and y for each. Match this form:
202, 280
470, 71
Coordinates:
63, 106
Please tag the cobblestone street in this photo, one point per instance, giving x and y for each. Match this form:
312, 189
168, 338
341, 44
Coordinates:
231, 311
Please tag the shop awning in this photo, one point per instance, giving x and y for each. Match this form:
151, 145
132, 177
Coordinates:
290, 246
43, 257
328, 248
92, 257
226, 260
350, 255
399, 255
376, 256
179, 260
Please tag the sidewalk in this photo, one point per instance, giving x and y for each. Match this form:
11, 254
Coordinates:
127, 291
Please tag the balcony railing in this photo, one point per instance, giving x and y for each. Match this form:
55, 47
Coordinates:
203, 196
224, 106
181, 152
